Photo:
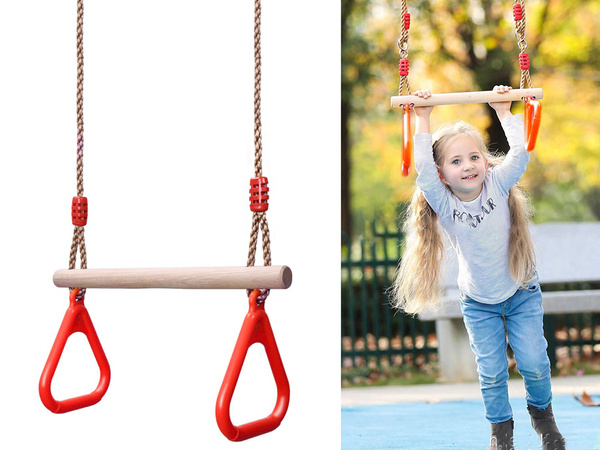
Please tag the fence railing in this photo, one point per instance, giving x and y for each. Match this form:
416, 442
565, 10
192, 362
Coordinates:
572, 337
375, 335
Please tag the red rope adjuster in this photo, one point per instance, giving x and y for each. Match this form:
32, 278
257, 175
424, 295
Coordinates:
533, 117
259, 194
403, 67
76, 319
406, 142
406, 21
517, 12
524, 60
79, 211
255, 329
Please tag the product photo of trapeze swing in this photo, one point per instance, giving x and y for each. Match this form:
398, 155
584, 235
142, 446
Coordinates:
257, 281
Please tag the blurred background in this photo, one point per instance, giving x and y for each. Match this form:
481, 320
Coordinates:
457, 46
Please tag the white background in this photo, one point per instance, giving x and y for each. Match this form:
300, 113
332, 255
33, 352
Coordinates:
168, 158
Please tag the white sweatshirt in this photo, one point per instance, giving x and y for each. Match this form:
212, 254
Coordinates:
478, 230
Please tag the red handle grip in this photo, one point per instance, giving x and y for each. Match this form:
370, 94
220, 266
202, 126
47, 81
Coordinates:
77, 319
406, 141
533, 117
255, 329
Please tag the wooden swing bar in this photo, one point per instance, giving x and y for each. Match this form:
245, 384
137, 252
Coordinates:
458, 98
263, 277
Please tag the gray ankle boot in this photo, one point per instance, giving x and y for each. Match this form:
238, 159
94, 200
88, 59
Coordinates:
544, 425
502, 436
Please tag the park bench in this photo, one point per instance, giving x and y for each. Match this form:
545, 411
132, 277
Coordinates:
565, 253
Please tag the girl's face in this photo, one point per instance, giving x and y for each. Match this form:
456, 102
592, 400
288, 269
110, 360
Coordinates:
463, 168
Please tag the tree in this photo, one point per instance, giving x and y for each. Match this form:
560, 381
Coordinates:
355, 73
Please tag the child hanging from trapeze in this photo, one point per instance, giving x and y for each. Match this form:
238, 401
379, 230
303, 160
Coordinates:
474, 197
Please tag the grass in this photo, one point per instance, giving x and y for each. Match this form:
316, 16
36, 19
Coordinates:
390, 376
407, 375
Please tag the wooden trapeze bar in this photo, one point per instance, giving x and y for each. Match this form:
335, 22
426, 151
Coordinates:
257, 277
457, 98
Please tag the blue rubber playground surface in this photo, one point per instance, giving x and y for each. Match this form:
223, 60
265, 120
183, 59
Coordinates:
460, 424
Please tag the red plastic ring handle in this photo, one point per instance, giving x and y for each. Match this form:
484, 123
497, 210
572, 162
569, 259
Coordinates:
533, 118
406, 142
77, 319
255, 329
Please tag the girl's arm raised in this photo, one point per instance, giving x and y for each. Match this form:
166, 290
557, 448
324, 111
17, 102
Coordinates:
428, 179
513, 167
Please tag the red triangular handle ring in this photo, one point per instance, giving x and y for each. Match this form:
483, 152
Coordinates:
76, 319
255, 329
406, 141
533, 118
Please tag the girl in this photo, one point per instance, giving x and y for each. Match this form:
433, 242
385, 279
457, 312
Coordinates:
473, 197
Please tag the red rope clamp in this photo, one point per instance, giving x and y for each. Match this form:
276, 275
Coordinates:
403, 67
533, 118
524, 61
517, 12
255, 329
406, 21
406, 142
259, 194
79, 211
77, 319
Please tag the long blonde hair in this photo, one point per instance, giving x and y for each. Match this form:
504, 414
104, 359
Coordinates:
417, 284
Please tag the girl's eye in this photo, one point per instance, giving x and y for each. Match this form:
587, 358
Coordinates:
475, 157
456, 161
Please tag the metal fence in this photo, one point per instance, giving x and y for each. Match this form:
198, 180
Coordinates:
572, 337
375, 335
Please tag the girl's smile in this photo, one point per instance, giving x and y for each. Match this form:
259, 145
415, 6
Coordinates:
463, 168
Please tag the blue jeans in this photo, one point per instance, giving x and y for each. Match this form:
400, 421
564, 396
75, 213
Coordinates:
521, 318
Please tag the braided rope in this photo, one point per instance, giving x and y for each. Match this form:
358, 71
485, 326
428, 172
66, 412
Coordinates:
257, 91
80, 98
520, 26
78, 232
259, 219
403, 50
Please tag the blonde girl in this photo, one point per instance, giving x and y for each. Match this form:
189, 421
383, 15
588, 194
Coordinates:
473, 197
